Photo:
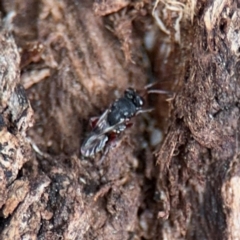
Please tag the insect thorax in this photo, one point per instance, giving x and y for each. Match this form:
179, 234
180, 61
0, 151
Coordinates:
122, 109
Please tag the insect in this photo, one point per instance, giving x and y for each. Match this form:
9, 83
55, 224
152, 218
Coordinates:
112, 122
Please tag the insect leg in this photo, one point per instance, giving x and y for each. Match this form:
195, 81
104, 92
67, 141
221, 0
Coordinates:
93, 122
110, 144
144, 110
128, 124
103, 155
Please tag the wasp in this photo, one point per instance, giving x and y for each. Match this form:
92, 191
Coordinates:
113, 122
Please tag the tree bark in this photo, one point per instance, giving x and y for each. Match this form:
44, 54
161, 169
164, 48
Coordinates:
74, 58
199, 159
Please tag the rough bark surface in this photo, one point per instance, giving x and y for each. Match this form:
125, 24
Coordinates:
200, 155
74, 58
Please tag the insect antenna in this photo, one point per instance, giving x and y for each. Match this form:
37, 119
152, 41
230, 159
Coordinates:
154, 91
150, 85
155, 83
158, 91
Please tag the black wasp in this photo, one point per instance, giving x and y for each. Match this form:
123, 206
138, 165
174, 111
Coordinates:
112, 122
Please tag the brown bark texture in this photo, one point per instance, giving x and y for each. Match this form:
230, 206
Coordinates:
65, 61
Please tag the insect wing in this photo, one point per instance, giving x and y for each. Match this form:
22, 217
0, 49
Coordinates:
101, 124
97, 139
93, 144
